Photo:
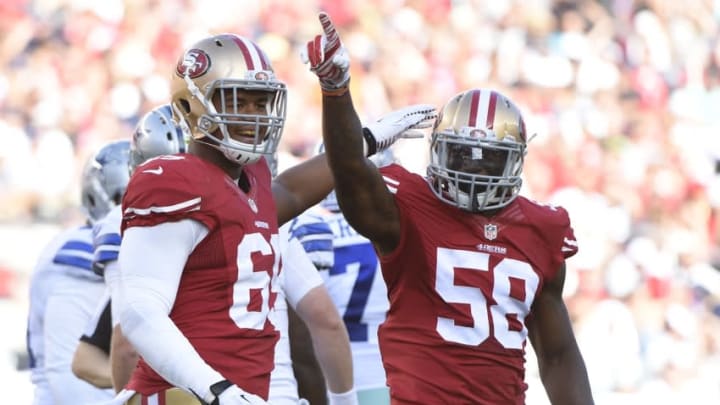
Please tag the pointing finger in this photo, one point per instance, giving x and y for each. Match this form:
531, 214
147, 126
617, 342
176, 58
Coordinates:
328, 27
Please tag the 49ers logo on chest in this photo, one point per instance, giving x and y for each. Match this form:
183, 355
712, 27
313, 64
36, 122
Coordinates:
194, 63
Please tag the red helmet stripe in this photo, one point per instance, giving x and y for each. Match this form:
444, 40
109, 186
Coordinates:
245, 51
490, 119
253, 56
474, 107
263, 58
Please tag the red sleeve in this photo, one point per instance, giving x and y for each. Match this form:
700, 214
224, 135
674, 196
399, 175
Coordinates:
166, 191
569, 245
554, 223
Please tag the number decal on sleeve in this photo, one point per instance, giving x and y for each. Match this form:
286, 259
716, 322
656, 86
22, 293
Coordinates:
514, 284
360, 259
257, 264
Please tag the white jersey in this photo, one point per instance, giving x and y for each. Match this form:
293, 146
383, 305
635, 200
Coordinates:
64, 292
297, 278
358, 290
106, 247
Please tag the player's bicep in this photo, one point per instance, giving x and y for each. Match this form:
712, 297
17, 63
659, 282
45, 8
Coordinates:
369, 205
549, 327
300, 274
300, 187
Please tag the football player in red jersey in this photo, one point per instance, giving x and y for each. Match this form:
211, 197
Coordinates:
199, 253
472, 269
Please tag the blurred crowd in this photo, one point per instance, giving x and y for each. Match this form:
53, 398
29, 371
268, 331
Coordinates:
623, 95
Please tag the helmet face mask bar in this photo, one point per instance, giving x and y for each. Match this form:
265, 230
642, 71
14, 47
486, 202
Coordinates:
218, 126
477, 151
209, 85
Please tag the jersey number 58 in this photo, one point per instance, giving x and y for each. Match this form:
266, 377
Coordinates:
513, 285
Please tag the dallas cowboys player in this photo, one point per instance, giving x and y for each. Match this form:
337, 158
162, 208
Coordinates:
98, 357
64, 290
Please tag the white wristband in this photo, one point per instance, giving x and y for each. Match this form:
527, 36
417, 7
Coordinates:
345, 398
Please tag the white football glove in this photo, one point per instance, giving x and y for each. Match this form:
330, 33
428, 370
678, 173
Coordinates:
234, 395
403, 123
327, 57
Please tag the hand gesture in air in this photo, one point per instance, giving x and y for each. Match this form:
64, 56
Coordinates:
327, 57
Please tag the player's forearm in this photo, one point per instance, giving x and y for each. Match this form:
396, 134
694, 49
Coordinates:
92, 365
123, 359
565, 379
359, 188
160, 343
309, 375
342, 137
332, 350
329, 338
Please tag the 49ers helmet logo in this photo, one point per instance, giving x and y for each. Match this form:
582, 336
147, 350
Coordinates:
194, 63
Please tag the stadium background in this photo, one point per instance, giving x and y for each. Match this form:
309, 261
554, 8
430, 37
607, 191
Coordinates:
624, 97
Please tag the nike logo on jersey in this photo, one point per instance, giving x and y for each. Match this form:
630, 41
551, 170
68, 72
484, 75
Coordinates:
157, 171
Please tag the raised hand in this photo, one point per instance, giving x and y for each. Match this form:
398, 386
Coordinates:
405, 122
327, 57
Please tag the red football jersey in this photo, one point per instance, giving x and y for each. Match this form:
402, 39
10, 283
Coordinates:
460, 287
224, 294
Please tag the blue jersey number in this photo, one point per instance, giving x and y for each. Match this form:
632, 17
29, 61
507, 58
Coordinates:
353, 255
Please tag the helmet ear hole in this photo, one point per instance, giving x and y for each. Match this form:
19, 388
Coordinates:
185, 105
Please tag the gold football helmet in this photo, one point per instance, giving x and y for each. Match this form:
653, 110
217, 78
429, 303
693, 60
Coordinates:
477, 150
208, 79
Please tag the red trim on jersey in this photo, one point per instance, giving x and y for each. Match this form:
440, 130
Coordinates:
490, 118
474, 108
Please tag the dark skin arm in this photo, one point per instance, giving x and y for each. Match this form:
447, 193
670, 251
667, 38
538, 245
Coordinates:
361, 192
562, 369
300, 187
309, 376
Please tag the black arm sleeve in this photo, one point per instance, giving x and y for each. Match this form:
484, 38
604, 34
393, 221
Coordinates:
100, 335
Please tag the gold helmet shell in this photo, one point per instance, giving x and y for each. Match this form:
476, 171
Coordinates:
477, 151
229, 64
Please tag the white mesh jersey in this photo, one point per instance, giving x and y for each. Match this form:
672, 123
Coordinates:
297, 277
358, 290
64, 292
